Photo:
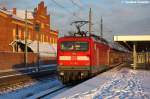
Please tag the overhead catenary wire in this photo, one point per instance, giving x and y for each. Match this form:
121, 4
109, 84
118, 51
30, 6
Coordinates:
74, 3
59, 5
72, 13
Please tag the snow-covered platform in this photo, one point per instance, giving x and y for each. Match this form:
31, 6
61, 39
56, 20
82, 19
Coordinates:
124, 83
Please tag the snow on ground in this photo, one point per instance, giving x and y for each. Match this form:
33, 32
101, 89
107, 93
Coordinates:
31, 90
125, 84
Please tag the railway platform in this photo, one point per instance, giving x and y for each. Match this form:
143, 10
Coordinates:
120, 83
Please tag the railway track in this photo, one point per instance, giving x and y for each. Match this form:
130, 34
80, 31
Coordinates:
26, 71
49, 92
13, 82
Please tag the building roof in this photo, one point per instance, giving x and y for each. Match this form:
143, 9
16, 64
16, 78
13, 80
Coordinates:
21, 14
5, 11
45, 49
16, 17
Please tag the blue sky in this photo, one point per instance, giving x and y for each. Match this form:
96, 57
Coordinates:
119, 18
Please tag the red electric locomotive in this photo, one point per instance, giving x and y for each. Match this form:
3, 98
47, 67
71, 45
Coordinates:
85, 56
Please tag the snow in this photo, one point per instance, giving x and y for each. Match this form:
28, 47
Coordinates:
45, 48
20, 15
6, 12
35, 88
123, 84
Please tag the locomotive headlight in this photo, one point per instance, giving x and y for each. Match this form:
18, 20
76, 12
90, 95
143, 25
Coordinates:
84, 58
82, 74
64, 58
61, 73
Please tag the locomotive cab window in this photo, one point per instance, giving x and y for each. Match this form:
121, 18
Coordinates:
67, 46
74, 46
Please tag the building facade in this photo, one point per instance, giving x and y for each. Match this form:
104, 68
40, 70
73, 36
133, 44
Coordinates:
14, 29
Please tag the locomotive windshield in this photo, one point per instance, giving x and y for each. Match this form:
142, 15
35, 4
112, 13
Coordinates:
74, 46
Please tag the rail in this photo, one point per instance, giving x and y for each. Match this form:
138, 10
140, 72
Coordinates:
47, 92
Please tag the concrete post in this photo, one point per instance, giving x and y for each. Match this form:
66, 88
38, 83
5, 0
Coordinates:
108, 56
134, 56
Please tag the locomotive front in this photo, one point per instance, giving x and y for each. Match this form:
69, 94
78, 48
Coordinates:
73, 58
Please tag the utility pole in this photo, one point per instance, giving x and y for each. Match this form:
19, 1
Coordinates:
101, 28
90, 24
37, 28
26, 35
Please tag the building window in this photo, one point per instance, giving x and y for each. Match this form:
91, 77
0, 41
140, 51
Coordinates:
29, 36
41, 37
37, 37
19, 34
42, 25
50, 40
46, 38
53, 41
56, 40
24, 33
14, 34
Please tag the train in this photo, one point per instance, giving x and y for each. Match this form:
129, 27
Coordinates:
82, 54
81, 57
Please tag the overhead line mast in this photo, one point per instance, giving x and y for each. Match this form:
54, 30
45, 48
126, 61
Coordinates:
101, 27
90, 24
90, 18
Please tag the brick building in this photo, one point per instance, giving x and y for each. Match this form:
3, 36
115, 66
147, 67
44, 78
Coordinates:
12, 30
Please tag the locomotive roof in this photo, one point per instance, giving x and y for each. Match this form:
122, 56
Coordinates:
117, 46
94, 37
113, 45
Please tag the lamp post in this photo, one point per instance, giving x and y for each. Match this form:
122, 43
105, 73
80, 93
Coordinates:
26, 33
37, 29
